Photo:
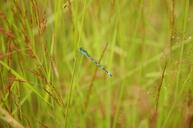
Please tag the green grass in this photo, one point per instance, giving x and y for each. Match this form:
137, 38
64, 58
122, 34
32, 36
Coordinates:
45, 82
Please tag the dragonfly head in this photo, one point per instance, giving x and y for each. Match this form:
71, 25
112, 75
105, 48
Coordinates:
84, 52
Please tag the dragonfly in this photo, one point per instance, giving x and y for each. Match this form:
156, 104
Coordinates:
102, 67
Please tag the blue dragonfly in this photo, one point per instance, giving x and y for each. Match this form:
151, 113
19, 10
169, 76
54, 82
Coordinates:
85, 53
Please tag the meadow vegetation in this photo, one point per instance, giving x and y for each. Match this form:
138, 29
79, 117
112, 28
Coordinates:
45, 81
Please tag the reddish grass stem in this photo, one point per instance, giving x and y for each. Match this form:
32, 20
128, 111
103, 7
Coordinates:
160, 86
93, 78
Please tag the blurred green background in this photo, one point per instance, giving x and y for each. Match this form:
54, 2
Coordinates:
147, 45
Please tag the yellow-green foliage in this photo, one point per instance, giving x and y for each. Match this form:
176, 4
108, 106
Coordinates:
45, 81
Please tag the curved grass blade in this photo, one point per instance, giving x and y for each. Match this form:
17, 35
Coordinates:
23, 79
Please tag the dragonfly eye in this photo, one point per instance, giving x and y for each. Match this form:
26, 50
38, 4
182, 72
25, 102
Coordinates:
82, 50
